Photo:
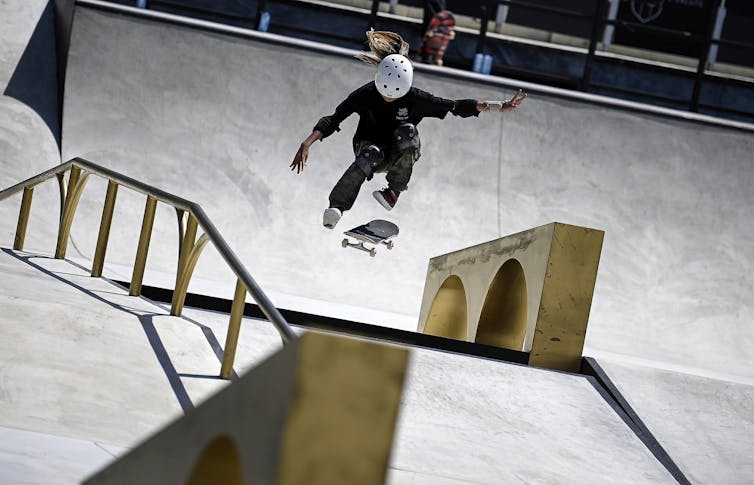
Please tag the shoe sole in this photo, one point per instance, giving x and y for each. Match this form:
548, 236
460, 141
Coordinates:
330, 219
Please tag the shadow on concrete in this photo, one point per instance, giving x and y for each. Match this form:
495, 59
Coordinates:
214, 344
201, 376
208, 334
146, 321
34, 81
602, 383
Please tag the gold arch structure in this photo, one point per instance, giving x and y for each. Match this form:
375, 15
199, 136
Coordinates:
503, 319
307, 414
448, 313
220, 462
530, 291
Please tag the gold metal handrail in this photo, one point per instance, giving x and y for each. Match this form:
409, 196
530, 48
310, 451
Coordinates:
191, 217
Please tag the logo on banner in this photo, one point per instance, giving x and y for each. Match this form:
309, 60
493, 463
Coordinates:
646, 10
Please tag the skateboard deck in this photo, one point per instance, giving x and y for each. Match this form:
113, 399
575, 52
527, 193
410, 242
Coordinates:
374, 232
440, 31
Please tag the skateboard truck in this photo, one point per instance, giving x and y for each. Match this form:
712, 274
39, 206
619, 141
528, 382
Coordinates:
360, 246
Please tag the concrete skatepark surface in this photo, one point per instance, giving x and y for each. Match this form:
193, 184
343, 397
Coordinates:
167, 364
221, 118
702, 423
26, 142
217, 119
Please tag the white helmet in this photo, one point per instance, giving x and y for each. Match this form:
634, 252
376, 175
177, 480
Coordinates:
394, 76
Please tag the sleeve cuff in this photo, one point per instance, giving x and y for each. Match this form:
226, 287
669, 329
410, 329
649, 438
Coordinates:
465, 108
326, 127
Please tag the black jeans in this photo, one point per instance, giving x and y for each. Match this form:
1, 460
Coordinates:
397, 164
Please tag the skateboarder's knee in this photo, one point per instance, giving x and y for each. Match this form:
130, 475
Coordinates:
368, 160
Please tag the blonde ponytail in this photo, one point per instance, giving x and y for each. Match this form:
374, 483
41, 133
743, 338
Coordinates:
382, 44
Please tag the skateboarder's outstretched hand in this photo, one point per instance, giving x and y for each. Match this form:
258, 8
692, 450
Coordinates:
504, 106
513, 103
302, 155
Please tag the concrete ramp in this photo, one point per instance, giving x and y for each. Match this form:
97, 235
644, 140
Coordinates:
29, 101
87, 372
80, 358
506, 424
30, 126
74, 371
70, 384
705, 425
468, 420
216, 117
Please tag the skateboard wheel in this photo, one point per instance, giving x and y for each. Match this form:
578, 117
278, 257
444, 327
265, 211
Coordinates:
344, 243
372, 252
390, 244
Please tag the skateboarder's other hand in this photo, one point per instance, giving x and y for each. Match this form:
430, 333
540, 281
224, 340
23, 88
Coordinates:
299, 161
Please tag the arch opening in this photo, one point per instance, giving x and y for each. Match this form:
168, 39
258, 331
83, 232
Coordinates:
503, 319
448, 315
220, 462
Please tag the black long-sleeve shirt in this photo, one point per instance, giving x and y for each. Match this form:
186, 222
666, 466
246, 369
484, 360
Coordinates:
379, 118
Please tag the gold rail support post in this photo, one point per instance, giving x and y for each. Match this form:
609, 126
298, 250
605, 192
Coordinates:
76, 183
23, 219
189, 256
182, 216
234, 329
143, 249
104, 229
62, 192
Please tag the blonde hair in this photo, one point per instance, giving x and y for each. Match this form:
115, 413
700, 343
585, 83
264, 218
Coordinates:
381, 44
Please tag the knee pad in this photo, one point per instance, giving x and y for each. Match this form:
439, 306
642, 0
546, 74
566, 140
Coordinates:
406, 137
369, 159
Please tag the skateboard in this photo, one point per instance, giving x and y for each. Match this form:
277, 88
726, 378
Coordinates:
374, 232
440, 32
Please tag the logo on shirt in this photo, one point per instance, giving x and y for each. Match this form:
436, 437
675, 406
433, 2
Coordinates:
402, 114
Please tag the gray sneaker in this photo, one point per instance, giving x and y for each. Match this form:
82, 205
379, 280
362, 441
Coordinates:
331, 217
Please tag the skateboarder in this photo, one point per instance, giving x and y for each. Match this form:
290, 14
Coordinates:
386, 139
